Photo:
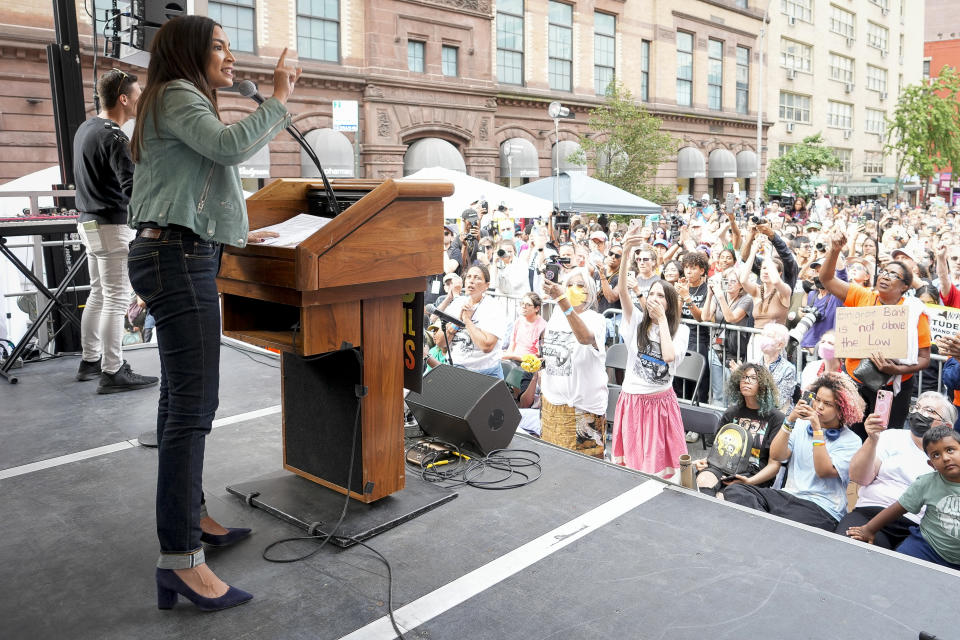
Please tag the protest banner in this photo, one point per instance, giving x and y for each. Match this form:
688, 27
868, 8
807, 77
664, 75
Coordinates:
863, 331
944, 321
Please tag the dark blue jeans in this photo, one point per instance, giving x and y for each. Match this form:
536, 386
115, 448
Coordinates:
176, 276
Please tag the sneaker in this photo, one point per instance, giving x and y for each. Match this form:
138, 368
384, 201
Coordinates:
692, 436
89, 370
124, 380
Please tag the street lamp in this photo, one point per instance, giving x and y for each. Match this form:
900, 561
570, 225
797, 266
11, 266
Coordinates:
510, 148
557, 111
760, 98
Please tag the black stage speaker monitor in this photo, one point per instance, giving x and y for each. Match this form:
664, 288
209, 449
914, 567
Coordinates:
465, 408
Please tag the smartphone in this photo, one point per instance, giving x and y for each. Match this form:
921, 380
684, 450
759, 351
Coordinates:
808, 397
883, 405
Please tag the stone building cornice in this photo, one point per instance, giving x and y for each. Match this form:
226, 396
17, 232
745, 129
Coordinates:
479, 8
711, 23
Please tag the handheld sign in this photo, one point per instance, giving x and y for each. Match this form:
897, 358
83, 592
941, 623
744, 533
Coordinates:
944, 321
863, 331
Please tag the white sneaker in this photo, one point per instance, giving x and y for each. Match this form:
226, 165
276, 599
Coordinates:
692, 436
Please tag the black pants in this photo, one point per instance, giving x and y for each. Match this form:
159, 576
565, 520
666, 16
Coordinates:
898, 412
780, 503
889, 537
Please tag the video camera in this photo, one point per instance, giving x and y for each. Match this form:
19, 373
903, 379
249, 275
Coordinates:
551, 272
561, 220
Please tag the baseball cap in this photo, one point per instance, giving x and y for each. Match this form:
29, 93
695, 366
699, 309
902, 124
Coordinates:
452, 276
901, 252
661, 242
452, 229
598, 235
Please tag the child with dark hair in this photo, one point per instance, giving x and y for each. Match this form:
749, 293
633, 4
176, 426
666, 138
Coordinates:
752, 393
937, 539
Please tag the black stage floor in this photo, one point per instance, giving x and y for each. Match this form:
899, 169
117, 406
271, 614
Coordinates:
588, 551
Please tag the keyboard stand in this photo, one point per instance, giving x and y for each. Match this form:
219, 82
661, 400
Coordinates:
53, 302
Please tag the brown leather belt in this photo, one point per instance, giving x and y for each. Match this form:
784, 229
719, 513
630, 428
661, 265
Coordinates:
150, 232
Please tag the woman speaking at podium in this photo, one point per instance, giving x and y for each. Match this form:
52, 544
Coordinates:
186, 203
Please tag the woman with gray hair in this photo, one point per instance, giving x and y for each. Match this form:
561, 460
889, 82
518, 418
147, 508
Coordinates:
889, 461
573, 381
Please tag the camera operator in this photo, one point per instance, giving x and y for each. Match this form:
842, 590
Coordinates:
451, 264
822, 306
469, 239
507, 273
762, 226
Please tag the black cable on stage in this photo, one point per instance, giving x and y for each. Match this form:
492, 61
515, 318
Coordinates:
464, 470
249, 355
353, 449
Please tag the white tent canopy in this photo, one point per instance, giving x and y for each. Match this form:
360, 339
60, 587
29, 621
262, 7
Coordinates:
467, 189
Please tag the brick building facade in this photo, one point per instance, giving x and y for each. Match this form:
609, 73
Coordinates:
470, 73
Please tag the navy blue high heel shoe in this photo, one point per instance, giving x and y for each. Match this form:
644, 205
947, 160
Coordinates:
232, 535
169, 585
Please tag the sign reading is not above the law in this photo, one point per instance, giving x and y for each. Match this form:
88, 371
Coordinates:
863, 331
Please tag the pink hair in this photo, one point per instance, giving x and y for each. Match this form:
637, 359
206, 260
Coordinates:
849, 403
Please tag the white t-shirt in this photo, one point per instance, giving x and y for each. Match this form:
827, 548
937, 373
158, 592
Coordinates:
487, 316
901, 462
575, 374
649, 373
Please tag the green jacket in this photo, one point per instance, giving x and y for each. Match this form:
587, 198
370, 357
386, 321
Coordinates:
187, 173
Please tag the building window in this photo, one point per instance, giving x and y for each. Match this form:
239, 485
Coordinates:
901, 46
794, 107
875, 121
415, 50
684, 69
510, 41
560, 46
842, 22
872, 162
236, 18
839, 115
645, 70
743, 80
799, 9
926, 69
742, 4
877, 36
715, 74
845, 157
796, 55
318, 29
784, 149
841, 68
604, 51
883, 4
449, 60
876, 78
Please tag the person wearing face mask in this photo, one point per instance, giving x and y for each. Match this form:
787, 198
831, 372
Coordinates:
771, 343
887, 464
573, 380
648, 428
726, 304
828, 362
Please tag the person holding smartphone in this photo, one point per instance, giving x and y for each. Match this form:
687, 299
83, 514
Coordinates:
887, 464
817, 443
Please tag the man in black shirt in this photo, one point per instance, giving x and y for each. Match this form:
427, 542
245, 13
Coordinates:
104, 176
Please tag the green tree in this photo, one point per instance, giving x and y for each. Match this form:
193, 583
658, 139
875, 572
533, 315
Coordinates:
628, 147
792, 171
924, 132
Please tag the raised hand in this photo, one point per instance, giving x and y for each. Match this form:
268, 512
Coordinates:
284, 78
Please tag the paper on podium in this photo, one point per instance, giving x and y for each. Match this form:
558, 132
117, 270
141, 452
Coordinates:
294, 231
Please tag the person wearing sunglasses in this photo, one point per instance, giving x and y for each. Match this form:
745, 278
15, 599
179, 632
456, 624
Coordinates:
104, 180
893, 281
887, 464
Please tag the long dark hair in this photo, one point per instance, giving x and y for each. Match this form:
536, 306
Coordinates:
179, 51
672, 312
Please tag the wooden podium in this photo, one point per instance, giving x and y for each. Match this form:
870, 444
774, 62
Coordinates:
341, 287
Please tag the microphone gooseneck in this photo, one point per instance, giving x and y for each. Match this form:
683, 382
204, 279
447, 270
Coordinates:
248, 89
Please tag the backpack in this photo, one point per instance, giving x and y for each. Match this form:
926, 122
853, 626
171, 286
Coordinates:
730, 452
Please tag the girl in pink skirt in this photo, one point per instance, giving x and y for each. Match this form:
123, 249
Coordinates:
648, 431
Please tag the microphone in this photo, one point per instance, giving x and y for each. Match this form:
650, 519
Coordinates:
446, 317
248, 89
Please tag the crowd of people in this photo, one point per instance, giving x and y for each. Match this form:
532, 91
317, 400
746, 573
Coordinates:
753, 291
